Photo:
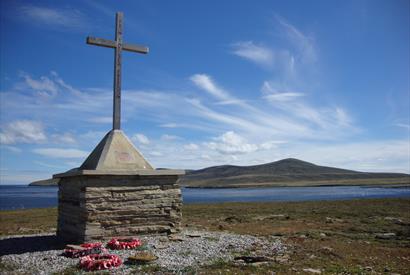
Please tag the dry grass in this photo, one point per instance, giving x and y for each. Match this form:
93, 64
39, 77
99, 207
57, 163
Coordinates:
29, 221
349, 245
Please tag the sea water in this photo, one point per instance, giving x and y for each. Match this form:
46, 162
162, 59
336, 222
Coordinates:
22, 196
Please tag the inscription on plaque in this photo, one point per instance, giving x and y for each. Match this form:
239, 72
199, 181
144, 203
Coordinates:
123, 156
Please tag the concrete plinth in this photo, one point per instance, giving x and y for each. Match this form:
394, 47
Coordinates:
95, 206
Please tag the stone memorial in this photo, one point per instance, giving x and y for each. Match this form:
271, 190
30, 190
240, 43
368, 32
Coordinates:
116, 192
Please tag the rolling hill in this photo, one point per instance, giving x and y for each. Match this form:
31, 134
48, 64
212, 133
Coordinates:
286, 172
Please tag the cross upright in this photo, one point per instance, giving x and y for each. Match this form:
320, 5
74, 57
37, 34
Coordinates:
118, 46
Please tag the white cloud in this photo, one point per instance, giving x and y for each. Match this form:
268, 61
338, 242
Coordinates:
272, 94
155, 154
303, 43
142, 139
44, 86
91, 136
375, 155
55, 18
65, 138
61, 153
167, 137
170, 125
403, 125
205, 82
254, 130
256, 53
231, 143
191, 146
267, 145
21, 176
290, 56
23, 131
326, 118
13, 149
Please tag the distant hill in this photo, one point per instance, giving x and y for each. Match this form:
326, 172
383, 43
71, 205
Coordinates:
47, 182
286, 172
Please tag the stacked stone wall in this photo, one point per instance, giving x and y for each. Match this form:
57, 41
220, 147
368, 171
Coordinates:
101, 207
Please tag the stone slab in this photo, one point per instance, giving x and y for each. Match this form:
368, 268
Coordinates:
136, 172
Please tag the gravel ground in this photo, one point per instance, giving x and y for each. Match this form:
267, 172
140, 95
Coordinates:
40, 254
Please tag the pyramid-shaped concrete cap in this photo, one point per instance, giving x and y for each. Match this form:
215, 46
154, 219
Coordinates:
115, 152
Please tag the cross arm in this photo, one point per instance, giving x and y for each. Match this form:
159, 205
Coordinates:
111, 44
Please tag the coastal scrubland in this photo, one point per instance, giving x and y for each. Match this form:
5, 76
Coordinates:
334, 237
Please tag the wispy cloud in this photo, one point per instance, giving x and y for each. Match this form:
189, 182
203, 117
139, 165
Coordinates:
290, 55
13, 149
167, 137
191, 146
206, 83
141, 139
23, 131
64, 138
247, 132
231, 143
272, 94
55, 18
256, 53
403, 125
8, 176
44, 86
61, 153
304, 44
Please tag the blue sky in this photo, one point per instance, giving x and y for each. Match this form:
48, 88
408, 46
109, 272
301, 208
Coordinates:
225, 82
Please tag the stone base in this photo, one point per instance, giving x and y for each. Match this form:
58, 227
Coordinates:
94, 207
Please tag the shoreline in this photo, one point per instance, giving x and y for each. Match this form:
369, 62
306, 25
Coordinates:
398, 185
221, 203
385, 183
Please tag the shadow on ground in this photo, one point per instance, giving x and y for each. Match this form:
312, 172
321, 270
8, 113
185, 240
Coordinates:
20, 245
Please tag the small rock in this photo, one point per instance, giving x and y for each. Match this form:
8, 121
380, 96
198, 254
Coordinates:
142, 257
193, 235
327, 249
332, 220
233, 219
302, 236
282, 259
277, 216
257, 263
175, 238
161, 246
253, 259
163, 239
393, 219
385, 236
368, 268
322, 235
311, 270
